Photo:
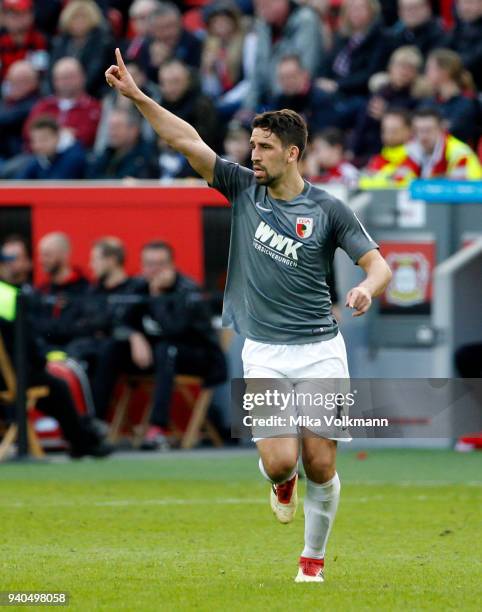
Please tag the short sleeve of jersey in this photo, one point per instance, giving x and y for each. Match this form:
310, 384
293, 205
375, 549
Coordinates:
230, 178
349, 232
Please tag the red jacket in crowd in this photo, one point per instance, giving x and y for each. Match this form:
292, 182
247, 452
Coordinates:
344, 173
81, 116
33, 48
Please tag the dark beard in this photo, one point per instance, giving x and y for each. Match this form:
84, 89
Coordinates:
265, 181
55, 269
268, 181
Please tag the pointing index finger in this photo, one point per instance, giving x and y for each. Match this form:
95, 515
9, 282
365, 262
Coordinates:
120, 61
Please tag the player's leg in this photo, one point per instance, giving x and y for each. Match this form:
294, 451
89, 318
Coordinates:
278, 456
327, 362
114, 357
321, 503
278, 463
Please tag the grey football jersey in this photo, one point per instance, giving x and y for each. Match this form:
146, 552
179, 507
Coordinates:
280, 256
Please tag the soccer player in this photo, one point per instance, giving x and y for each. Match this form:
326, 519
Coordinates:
284, 235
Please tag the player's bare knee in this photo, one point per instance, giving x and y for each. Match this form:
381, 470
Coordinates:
319, 468
279, 457
279, 467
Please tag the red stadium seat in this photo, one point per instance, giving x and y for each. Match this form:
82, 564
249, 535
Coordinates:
188, 431
63, 370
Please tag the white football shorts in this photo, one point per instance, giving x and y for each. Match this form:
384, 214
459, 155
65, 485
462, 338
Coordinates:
306, 363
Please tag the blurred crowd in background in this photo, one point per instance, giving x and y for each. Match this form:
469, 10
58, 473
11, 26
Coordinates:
390, 90
159, 322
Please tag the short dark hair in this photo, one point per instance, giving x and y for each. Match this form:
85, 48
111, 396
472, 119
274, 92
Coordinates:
402, 113
45, 122
159, 245
333, 136
428, 111
287, 125
111, 247
17, 238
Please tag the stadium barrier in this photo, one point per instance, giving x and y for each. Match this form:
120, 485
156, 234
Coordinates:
457, 314
88, 210
400, 337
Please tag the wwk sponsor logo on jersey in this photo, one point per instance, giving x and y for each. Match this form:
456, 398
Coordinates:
304, 227
278, 247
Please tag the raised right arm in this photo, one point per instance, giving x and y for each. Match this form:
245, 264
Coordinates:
175, 132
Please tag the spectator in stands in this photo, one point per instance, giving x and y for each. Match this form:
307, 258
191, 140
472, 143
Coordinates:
453, 89
181, 95
84, 35
466, 37
21, 92
55, 156
168, 39
19, 39
400, 87
114, 100
172, 165
282, 28
237, 147
102, 317
328, 12
140, 77
222, 54
65, 286
436, 153
107, 264
298, 92
78, 431
171, 333
392, 166
126, 155
326, 163
140, 14
417, 26
74, 109
17, 269
358, 51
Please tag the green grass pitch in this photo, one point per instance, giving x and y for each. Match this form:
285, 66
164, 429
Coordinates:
194, 532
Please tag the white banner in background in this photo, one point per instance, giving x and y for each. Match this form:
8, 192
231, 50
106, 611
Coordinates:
411, 213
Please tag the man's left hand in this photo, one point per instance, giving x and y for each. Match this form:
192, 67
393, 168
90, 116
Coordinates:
360, 299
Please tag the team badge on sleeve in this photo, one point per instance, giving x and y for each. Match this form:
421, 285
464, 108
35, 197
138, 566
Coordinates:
304, 227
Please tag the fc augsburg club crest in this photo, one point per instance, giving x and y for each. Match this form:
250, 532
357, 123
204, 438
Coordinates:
304, 227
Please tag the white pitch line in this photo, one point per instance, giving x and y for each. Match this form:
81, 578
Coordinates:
133, 502
178, 502
413, 483
118, 503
